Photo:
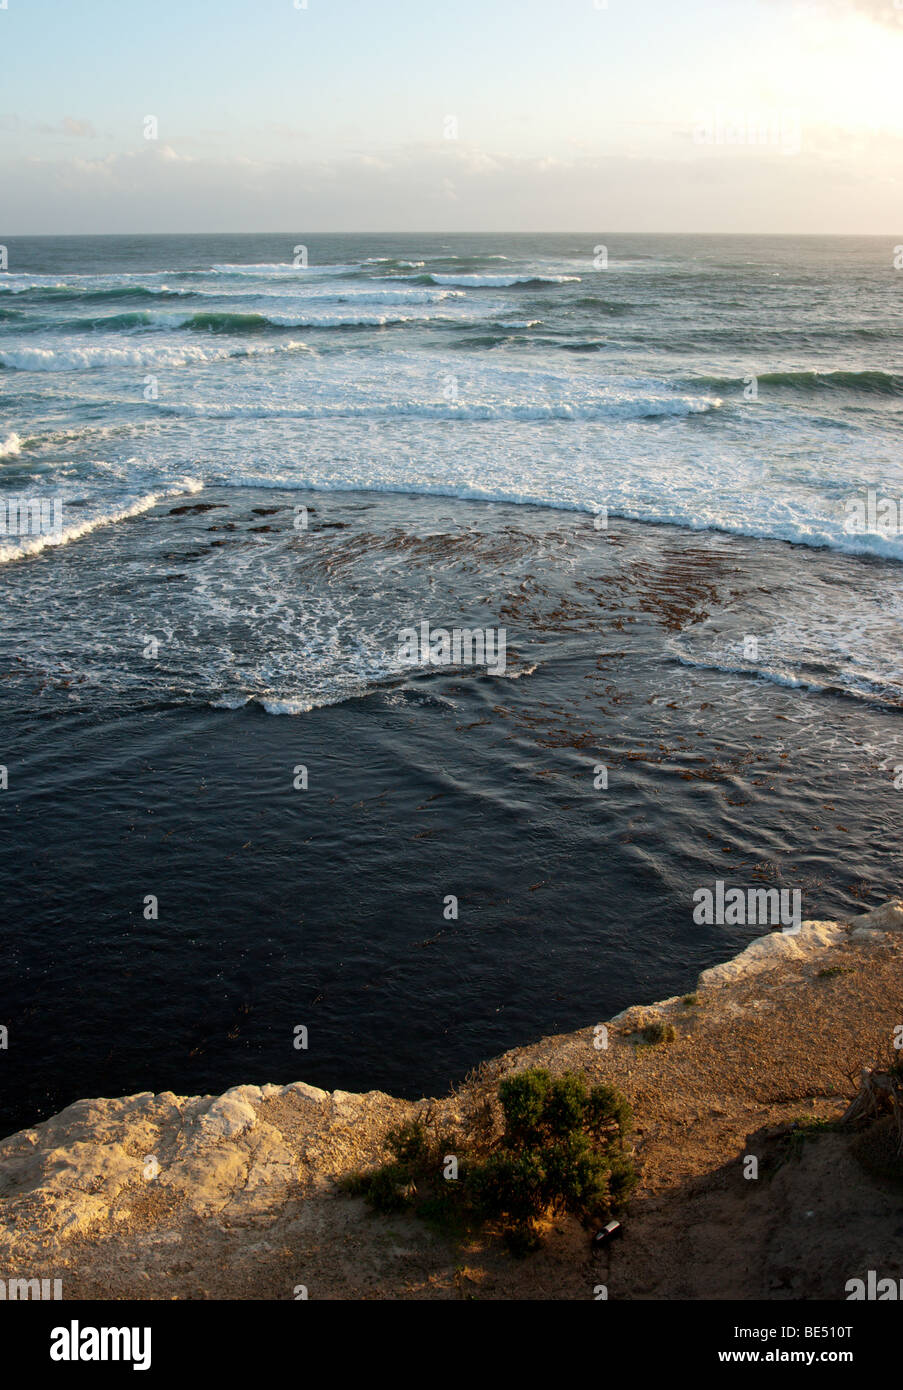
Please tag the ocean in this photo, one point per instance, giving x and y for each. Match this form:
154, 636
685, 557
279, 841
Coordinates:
254, 461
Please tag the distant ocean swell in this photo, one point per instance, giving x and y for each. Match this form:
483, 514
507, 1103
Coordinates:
872, 382
568, 386
38, 359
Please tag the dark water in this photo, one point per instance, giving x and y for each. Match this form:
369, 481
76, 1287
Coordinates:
456, 415
324, 907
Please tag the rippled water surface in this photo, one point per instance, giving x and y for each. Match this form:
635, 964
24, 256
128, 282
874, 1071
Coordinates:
265, 472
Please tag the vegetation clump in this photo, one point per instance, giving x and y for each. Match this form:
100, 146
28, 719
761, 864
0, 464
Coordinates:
540, 1147
658, 1032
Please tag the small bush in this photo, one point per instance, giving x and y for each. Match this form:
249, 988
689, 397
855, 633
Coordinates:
658, 1032
559, 1147
410, 1143
876, 1150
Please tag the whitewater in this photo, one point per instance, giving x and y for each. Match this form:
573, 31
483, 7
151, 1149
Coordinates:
746, 387
675, 385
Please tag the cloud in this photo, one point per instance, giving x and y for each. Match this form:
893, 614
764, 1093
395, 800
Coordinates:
452, 186
69, 125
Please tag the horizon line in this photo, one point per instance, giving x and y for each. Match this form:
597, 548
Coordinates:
420, 233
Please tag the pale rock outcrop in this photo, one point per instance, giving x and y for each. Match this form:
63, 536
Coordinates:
92, 1160
777, 948
887, 917
163, 1166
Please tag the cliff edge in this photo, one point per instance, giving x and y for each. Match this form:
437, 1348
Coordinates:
165, 1196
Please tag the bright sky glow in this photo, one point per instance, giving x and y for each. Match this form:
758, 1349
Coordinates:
418, 115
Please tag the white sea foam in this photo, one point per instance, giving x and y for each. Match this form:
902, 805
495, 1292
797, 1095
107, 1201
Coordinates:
18, 284
54, 439
538, 426
281, 268
33, 545
290, 706
73, 358
377, 295
390, 260
503, 281
302, 317
349, 320
777, 677
637, 408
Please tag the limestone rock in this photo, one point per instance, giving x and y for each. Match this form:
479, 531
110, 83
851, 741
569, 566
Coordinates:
165, 1170
887, 917
777, 948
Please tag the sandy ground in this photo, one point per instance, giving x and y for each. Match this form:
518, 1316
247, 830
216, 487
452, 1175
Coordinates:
167, 1197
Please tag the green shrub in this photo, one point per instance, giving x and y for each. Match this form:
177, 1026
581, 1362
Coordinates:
658, 1032
558, 1147
389, 1189
409, 1143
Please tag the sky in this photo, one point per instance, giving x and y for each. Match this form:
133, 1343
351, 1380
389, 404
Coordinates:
772, 116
